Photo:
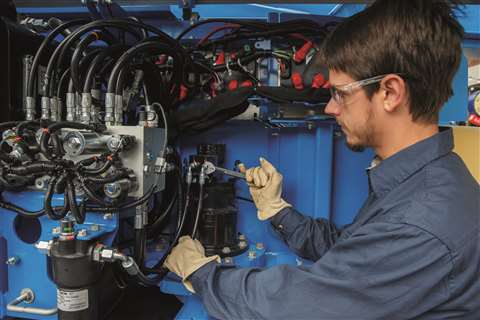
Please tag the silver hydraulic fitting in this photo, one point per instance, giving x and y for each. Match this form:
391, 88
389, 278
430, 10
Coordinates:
30, 108
102, 253
86, 107
54, 109
118, 110
45, 108
70, 106
109, 105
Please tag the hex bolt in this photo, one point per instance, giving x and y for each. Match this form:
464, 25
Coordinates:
107, 216
260, 246
228, 260
226, 250
252, 255
82, 233
56, 230
94, 227
241, 237
242, 244
11, 261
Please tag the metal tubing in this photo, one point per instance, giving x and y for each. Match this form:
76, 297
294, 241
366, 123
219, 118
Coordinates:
27, 296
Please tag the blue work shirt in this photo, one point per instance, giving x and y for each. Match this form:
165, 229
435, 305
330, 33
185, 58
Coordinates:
412, 252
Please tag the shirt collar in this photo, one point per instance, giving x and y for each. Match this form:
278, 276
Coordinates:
392, 171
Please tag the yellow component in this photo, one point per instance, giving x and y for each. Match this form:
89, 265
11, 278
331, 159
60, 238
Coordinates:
467, 146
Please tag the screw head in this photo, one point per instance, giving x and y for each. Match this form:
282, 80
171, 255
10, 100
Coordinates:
56, 230
260, 246
82, 233
94, 227
252, 255
226, 250
11, 261
107, 216
242, 244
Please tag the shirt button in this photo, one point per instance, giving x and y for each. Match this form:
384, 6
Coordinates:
280, 227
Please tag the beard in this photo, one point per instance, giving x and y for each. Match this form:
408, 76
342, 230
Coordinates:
366, 135
355, 147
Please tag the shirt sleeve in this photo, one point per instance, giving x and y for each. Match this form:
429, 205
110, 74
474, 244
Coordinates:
383, 271
307, 237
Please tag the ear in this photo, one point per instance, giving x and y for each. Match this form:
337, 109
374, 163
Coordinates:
394, 92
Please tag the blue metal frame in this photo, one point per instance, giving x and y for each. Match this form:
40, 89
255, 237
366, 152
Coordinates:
322, 177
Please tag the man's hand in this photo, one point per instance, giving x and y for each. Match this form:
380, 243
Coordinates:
266, 189
187, 257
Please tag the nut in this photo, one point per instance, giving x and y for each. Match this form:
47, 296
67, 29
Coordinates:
226, 250
107, 254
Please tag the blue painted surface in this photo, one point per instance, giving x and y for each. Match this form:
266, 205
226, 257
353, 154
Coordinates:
322, 178
31, 272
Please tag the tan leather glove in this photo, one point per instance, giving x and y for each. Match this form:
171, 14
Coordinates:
266, 189
187, 257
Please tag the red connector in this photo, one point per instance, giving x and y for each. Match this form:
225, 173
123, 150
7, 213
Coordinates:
183, 92
297, 81
233, 85
246, 83
318, 81
220, 58
301, 53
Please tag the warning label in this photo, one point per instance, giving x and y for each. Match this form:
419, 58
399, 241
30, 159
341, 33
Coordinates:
71, 301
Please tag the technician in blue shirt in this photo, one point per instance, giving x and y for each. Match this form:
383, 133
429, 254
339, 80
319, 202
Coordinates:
413, 250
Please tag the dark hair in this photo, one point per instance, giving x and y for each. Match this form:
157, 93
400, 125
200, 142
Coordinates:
420, 39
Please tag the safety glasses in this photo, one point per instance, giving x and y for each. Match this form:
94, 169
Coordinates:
340, 92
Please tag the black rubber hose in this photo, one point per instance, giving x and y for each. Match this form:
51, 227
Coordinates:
51, 213
64, 79
77, 212
245, 23
110, 179
100, 170
26, 124
115, 23
129, 205
46, 41
139, 247
158, 268
84, 62
97, 62
77, 55
199, 212
89, 192
130, 53
22, 212
37, 167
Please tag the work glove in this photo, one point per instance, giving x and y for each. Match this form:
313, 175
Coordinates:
187, 257
265, 185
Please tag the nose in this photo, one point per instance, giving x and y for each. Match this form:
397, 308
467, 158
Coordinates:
332, 108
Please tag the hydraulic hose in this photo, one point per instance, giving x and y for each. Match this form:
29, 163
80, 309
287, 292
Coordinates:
96, 63
52, 214
46, 41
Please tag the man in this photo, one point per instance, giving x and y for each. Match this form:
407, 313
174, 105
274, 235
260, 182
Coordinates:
413, 250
